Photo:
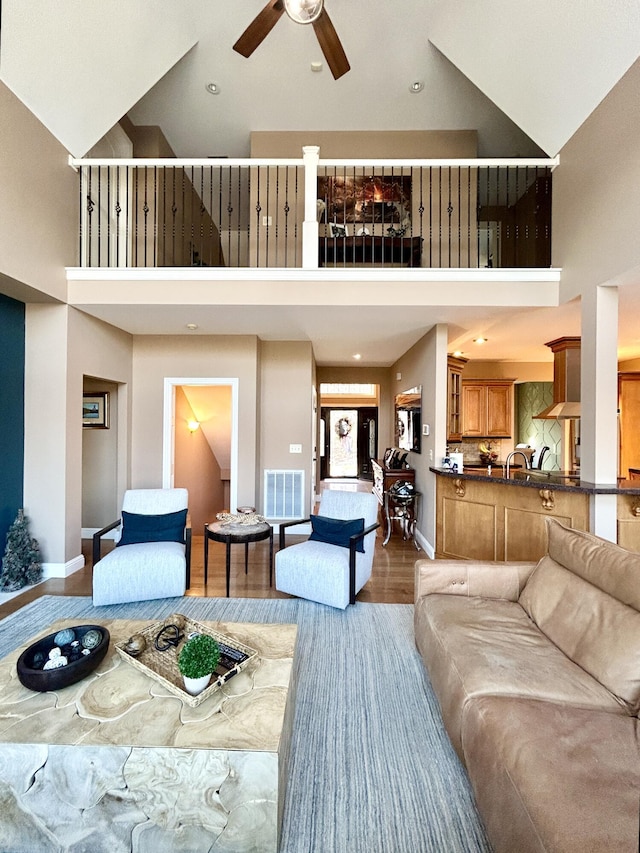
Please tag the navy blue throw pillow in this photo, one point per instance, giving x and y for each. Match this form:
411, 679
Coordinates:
335, 531
137, 528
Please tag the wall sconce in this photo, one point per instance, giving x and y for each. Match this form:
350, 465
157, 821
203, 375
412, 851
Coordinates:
193, 426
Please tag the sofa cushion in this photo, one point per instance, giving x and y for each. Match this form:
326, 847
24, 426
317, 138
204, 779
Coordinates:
572, 597
476, 646
549, 777
607, 566
336, 531
138, 528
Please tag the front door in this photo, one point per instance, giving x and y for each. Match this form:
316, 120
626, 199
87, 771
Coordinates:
350, 441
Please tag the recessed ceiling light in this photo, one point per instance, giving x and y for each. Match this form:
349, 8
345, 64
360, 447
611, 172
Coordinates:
192, 326
480, 340
212, 88
357, 356
416, 86
458, 353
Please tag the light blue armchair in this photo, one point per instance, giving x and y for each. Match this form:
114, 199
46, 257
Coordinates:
320, 570
152, 558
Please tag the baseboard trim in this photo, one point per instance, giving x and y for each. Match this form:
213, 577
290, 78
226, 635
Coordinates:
62, 570
88, 532
426, 546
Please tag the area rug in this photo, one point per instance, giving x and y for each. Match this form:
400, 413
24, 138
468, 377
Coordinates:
371, 767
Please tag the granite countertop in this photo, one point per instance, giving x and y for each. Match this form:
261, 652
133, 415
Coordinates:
533, 478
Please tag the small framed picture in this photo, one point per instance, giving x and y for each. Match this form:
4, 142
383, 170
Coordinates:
339, 230
95, 410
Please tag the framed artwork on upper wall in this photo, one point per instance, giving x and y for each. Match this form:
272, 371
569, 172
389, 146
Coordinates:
95, 410
365, 199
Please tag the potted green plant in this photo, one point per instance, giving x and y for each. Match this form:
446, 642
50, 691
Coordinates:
198, 658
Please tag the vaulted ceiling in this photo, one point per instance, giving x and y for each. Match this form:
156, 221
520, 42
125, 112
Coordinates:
525, 76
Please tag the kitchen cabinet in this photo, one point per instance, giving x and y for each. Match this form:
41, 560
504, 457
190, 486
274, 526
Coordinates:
487, 408
455, 366
486, 520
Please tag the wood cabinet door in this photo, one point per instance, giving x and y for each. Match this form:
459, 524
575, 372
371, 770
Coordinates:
499, 410
629, 406
474, 409
454, 398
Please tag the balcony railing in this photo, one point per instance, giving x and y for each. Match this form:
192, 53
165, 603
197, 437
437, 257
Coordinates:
311, 213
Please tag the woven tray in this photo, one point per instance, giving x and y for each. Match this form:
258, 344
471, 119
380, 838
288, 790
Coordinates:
163, 666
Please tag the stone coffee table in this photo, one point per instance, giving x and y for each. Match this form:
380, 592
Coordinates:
118, 763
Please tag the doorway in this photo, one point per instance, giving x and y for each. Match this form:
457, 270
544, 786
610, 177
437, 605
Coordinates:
200, 443
349, 440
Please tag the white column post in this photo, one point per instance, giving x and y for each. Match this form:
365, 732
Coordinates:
599, 403
310, 155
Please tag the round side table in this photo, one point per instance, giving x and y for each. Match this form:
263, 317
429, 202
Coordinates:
237, 534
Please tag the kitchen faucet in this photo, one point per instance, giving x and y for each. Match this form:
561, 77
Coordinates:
527, 461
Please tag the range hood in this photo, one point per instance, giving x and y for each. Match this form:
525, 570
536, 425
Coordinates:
566, 379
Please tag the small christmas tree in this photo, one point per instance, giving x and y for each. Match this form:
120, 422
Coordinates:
21, 565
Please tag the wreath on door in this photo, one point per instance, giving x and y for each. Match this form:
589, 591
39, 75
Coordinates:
343, 427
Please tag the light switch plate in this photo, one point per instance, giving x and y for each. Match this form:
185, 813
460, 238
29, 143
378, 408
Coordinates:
295, 448
425, 429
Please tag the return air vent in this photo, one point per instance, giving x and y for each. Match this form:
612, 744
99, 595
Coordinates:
283, 494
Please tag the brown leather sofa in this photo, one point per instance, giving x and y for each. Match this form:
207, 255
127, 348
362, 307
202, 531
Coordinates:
537, 671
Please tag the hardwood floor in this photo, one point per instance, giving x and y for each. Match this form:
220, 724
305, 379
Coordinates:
391, 580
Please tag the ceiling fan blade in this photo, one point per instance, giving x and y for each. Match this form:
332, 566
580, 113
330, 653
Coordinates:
330, 45
259, 28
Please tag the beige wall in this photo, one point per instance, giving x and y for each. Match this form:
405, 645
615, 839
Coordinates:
286, 410
521, 371
426, 364
62, 347
99, 462
196, 468
358, 144
596, 203
38, 206
203, 357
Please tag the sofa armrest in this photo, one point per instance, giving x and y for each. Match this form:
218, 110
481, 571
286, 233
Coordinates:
465, 577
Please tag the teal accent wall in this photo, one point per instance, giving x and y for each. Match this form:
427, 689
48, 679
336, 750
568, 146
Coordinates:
12, 333
531, 398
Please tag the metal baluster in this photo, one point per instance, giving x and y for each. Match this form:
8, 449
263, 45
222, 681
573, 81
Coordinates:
128, 260
89, 212
99, 216
81, 259
162, 258
118, 210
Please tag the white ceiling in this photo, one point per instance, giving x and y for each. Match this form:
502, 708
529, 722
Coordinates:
81, 64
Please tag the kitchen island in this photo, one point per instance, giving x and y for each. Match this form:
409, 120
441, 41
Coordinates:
484, 515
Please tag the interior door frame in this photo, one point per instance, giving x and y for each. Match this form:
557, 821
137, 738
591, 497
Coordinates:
168, 428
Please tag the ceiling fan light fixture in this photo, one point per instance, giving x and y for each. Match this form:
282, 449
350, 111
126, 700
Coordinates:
303, 11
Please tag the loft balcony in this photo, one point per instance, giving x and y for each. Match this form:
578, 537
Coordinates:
237, 217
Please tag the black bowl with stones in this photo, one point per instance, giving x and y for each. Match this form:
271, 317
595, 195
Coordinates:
30, 666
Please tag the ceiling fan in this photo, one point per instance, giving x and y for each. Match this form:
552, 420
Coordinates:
302, 12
